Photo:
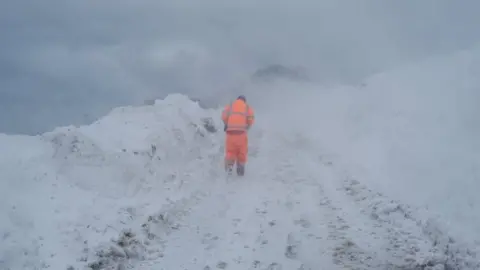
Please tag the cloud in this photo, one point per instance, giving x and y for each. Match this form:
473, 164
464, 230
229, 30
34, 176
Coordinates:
65, 62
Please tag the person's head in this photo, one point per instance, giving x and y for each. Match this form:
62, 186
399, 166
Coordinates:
242, 97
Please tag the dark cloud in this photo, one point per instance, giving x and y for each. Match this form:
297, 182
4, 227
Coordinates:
64, 62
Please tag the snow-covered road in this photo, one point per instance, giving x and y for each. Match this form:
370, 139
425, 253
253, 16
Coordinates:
300, 214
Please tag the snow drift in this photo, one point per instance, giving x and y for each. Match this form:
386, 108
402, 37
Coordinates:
380, 176
68, 189
411, 132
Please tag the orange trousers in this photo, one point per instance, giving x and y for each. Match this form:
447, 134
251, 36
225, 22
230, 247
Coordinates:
236, 148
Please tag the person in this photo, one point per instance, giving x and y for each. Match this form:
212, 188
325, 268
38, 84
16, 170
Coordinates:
237, 117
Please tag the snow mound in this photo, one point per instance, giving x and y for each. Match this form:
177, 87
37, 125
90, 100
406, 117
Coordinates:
68, 189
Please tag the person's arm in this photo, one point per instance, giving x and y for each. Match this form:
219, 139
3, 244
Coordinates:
225, 117
250, 117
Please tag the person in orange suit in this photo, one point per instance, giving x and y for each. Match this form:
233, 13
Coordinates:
237, 117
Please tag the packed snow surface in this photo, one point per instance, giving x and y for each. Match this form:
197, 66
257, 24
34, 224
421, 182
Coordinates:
380, 176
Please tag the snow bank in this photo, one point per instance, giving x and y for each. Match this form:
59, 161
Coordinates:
67, 191
411, 133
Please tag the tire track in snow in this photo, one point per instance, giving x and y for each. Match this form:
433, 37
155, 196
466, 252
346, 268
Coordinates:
388, 230
373, 232
440, 250
144, 243
343, 252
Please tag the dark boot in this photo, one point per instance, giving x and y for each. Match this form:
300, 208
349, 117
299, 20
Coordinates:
240, 170
229, 170
228, 167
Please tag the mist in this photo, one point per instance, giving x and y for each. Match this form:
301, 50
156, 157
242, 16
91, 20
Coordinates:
70, 62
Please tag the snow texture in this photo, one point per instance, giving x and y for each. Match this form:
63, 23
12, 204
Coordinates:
381, 176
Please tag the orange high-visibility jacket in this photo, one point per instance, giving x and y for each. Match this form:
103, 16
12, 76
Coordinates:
238, 116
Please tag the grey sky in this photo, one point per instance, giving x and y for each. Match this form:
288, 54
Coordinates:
64, 62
